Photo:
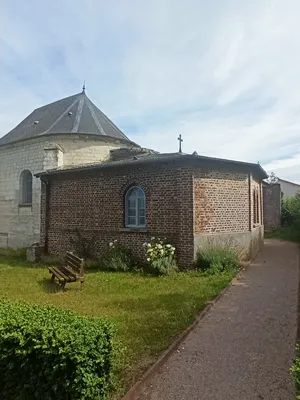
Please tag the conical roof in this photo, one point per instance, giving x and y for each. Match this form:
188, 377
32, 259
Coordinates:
74, 114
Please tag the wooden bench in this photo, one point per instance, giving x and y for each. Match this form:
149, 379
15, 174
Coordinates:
72, 272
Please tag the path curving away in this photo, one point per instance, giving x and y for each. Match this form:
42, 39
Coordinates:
244, 347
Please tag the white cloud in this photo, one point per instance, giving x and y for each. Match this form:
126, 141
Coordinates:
225, 74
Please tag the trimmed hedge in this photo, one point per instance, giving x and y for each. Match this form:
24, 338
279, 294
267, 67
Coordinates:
295, 370
48, 353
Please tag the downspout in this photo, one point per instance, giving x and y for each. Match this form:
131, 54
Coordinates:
46, 216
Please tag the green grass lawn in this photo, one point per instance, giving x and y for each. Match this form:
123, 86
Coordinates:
289, 233
149, 312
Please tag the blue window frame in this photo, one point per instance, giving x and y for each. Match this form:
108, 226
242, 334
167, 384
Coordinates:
135, 208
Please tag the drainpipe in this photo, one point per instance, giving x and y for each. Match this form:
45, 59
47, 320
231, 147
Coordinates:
46, 216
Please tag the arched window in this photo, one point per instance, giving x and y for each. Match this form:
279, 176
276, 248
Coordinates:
135, 208
26, 187
255, 207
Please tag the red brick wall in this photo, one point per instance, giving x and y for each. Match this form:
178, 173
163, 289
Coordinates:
221, 200
93, 202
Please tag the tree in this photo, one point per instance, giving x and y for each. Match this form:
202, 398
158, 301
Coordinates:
272, 178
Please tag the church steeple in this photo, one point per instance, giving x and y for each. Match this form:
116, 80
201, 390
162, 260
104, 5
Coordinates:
83, 88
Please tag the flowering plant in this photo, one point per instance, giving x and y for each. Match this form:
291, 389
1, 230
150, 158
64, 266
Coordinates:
160, 256
118, 258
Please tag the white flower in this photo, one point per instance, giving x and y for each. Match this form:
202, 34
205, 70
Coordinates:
145, 244
168, 246
115, 240
148, 245
111, 244
161, 252
172, 252
152, 238
149, 250
173, 248
148, 259
159, 246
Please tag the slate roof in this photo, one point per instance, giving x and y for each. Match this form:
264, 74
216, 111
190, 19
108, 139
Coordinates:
74, 114
152, 157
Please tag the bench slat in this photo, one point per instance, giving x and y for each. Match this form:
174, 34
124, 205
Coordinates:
56, 274
69, 271
73, 265
74, 258
67, 278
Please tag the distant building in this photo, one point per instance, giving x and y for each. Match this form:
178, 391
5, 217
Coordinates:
271, 206
288, 189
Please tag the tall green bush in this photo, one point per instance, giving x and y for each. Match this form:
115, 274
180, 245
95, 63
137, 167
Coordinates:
290, 211
47, 353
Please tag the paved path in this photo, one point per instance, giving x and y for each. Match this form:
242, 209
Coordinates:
243, 348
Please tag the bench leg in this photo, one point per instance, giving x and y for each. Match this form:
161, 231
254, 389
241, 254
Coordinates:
63, 284
52, 278
81, 285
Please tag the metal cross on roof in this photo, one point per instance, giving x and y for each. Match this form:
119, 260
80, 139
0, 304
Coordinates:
180, 141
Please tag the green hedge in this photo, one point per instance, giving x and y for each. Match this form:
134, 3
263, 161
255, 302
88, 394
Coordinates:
48, 353
295, 370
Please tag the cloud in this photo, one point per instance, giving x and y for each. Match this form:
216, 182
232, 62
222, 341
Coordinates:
224, 74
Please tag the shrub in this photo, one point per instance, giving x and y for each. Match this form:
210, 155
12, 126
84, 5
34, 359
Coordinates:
295, 370
47, 353
117, 258
160, 257
290, 211
16, 254
217, 257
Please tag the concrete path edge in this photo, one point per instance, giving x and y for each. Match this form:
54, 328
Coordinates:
137, 389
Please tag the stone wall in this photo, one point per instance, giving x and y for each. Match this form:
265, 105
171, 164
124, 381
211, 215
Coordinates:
20, 225
272, 206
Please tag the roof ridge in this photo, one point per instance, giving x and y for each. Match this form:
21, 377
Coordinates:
109, 120
78, 115
56, 101
60, 117
98, 124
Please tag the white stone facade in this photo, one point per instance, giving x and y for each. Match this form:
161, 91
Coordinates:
20, 224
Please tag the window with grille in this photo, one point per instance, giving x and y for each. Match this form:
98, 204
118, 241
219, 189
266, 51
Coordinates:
26, 187
135, 208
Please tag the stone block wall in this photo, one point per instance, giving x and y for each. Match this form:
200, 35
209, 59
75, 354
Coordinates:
20, 225
272, 206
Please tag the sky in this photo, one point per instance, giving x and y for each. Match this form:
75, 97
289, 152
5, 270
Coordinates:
224, 73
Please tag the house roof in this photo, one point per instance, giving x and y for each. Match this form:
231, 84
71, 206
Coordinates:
291, 183
73, 114
150, 158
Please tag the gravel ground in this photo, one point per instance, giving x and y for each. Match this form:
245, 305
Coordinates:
243, 348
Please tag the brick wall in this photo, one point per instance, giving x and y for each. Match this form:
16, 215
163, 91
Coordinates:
93, 202
271, 206
221, 201
182, 202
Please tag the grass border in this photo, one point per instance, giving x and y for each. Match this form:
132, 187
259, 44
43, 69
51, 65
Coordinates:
139, 387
